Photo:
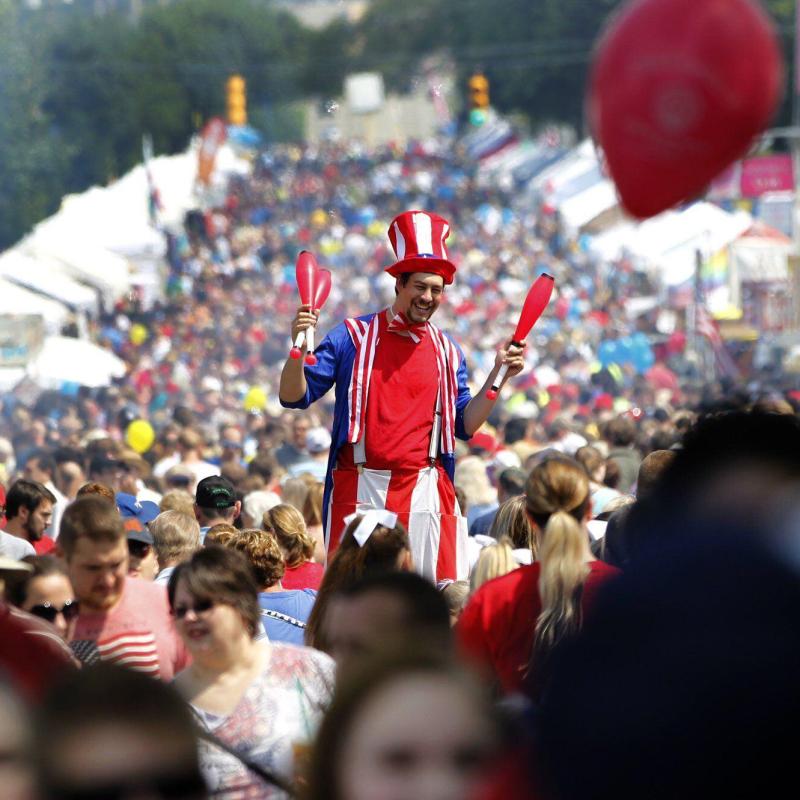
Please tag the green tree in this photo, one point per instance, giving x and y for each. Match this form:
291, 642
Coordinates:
32, 165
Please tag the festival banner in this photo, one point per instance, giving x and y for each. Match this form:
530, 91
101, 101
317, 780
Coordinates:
753, 178
763, 174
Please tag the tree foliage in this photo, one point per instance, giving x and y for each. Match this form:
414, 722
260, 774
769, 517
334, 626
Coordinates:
78, 91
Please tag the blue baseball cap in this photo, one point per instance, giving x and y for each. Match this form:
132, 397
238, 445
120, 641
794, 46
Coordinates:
143, 510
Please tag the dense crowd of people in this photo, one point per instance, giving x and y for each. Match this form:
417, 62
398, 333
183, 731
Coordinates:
171, 622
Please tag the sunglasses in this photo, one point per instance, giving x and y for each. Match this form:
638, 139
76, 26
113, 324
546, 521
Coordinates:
179, 612
69, 610
138, 549
179, 786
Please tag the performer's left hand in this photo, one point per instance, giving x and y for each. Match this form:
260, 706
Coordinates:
513, 357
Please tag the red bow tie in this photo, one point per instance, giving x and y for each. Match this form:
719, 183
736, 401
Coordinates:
400, 324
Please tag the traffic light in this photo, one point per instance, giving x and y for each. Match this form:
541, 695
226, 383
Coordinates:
236, 100
478, 91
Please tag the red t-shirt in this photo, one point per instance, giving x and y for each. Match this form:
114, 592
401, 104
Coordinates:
307, 575
402, 401
497, 626
44, 546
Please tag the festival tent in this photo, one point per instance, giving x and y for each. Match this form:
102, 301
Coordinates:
17, 300
759, 279
667, 244
105, 236
80, 258
583, 208
44, 276
519, 163
762, 254
63, 360
112, 218
563, 178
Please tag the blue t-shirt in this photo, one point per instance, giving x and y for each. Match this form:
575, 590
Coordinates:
284, 614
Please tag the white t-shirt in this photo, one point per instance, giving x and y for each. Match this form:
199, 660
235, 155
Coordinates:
14, 547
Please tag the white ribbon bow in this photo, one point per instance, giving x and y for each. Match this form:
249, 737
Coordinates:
369, 521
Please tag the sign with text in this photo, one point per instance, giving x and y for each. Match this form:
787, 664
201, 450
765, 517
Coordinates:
754, 177
21, 338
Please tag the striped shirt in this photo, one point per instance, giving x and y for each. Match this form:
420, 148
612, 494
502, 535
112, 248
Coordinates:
137, 633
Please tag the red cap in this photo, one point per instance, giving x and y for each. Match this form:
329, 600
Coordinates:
483, 441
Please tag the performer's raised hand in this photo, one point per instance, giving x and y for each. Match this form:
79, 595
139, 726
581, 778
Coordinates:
304, 319
513, 356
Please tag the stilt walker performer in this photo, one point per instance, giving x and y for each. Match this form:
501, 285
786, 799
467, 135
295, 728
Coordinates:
401, 401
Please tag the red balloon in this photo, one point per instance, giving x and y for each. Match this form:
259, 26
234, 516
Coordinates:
323, 288
678, 90
305, 271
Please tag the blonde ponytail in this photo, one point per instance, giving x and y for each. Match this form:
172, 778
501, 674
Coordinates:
557, 500
563, 571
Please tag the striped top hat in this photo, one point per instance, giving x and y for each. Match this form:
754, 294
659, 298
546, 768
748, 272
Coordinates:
418, 239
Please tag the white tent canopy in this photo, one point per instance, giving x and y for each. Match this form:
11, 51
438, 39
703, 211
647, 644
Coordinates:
582, 208
16, 300
44, 276
669, 242
82, 259
64, 360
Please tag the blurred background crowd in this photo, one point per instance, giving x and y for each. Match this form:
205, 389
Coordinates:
172, 523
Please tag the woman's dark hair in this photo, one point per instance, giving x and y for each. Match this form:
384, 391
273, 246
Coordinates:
350, 562
356, 688
613, 474
221, 575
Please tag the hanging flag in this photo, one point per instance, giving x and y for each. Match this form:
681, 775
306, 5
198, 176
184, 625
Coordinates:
709, 330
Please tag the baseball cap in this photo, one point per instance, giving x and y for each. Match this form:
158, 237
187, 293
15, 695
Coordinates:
215, 492
136, 530
318, 440
143, 510
483, 441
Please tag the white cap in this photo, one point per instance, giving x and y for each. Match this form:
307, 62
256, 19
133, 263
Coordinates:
318, 440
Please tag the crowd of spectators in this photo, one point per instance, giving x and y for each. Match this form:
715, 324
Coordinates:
625, 524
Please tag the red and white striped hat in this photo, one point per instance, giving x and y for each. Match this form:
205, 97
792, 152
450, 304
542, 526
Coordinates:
418, 239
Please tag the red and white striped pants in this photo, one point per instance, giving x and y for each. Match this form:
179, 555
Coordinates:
425, 502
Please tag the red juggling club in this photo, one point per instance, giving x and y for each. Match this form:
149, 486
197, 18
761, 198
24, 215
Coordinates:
535, 303
321, 291
305, 272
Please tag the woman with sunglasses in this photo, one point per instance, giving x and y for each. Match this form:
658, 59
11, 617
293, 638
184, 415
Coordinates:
259, 701
46, 592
